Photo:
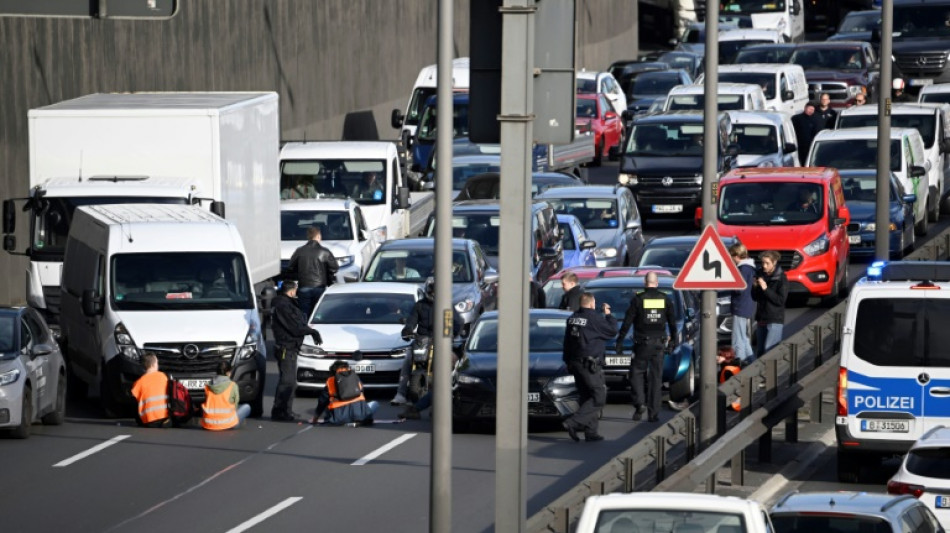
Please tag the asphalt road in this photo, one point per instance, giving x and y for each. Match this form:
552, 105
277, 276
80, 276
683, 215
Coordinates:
271, 476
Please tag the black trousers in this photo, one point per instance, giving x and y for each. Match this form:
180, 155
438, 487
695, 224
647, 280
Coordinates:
284, 396
646, 375
592, 392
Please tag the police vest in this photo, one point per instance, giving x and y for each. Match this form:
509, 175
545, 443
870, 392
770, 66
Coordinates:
651, 318
218, 412
151, 390
336, 402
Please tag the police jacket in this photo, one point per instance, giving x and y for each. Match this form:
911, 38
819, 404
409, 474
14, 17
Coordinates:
650, 312
586, 332
571, 300
422, 320
770, 302
290, 324
313, 265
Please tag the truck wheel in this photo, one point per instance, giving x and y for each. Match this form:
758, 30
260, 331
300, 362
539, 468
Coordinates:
849, 467
683, 388
58, 415
26, 415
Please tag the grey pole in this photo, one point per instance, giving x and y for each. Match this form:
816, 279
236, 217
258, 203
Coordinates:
440, 483
708, 372
515, 256
882, 215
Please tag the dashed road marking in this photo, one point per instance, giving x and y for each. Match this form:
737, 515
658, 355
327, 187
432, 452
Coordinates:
379, 451
95, 449
244, 526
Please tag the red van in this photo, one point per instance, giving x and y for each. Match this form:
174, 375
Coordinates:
798, 212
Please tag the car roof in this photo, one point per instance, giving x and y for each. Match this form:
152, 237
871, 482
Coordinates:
861, 172
421, 243
742, 34
723, 88
337, 150
831, 44
580, 191
896, 109
11, 310
534, 312
779, 174
865, 503
314, 204
489, 204
869, 132
684, 239
936, 88
763, 46
670, 500
591, 272
938, 437
755, 67
665, 280
757, 117
671, 116
373, 287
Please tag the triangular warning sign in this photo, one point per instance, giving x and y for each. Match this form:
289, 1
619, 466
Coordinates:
709, 266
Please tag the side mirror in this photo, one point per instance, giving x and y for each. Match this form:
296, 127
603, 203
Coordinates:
610, 115
588, 245
218, 208
909, 198
402, 198
396, 119
626, 115
362, 235
788, 95
790, 147
633, 224
349, 277
9, 216
41, 349
917, 171
491, 276
91, 303
843, 217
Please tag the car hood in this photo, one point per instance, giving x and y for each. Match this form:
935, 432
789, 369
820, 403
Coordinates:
774, 237
223, 325
867, 211
667, 165
921, 44
644, 103
754, 160
605, 238
833, 75
339, 248
540, 364
364, 337
851, 36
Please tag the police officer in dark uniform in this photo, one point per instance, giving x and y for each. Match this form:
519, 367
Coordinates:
651, 312
584, 338
290, 327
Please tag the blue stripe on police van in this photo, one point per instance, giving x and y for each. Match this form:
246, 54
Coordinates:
884, 394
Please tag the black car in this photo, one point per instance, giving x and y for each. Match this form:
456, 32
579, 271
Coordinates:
765, 53
627, 70
857, 26
652, 86
921, 33
551, 390
692, 63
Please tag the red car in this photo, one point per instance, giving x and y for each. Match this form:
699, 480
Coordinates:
595, 112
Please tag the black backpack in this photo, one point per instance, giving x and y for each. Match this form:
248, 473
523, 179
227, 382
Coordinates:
347, 385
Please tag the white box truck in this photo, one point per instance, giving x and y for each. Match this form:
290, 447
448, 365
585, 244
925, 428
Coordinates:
211, 148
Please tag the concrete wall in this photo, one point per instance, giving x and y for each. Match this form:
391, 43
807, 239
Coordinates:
340, 66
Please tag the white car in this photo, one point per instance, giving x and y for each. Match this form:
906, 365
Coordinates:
925, 473
343, 228
603, 83
672, 511
360, 323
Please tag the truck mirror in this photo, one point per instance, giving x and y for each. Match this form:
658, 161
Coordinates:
91, 303
9, 243
917, 171
9, 216
787, 96
402, 198
790, 147
396, 119
218, 208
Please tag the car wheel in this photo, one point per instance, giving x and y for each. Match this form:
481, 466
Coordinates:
26, 415
849, 467
683, 388
934, 214
109, 406
913, 242
832, 299
58, 415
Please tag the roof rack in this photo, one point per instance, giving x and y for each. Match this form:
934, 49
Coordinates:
935, 271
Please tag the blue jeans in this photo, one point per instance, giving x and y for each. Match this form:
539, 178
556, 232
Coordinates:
767, 336
307, 299
740, 339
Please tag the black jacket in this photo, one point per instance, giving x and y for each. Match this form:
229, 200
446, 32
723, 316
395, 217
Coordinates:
806, 127
312, 265
536, 295
290, 324
649, 324
586, 332
827, 117
770, 302
571, 300
422, 319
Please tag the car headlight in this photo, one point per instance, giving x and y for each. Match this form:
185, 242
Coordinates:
817, 246
307, 350
9, 377
854, 90
870, 226
767, 163
892, 226
345, 261
605, 253
125, 344
250, 344
469, 380
563, 380
627, 179
465, 305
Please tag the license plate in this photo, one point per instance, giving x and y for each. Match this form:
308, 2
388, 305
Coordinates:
886, 426
534, 397
195, 384
854, 239
921, 82
364, 369
618, 361
667, 209
942, 502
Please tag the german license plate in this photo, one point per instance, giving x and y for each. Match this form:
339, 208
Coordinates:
854, 239
534, 397
886, 426
195, 384
364, 369
917, 82
618, 361
668, 209
942, 502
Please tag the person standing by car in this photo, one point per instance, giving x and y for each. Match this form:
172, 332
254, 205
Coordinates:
806, 127
571, 299
584, 338
290, 327
742, 305
151, 393
769, 291
651, 313
315, 269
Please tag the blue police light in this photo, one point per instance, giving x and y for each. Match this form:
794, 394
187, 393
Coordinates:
876, 269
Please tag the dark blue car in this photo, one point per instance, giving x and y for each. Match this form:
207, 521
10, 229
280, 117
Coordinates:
425, 136
860, 193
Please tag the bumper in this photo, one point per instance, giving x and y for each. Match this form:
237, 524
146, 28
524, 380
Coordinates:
617, 375
859, 445
11, 404
662, 201
865, 248
478, 403
312, 372
814, 276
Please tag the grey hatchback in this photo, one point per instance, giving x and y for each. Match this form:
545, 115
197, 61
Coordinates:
852, 512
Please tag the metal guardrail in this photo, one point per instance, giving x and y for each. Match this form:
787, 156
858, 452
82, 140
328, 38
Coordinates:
770, 390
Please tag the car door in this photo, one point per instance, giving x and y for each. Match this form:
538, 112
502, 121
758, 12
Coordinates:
488, 289
633, 232
36, 365
586, 257
46, 374
368, 244
613, 125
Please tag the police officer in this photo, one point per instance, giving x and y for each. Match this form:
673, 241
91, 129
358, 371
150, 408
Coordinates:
290, 327
584, 338
651, 312
314, 268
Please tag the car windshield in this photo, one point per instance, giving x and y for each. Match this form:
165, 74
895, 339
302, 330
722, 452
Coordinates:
929, 462
652, 84
612, 520
920, 20
678, 60
671, 139
7, 324
756, 139
696, 102
361, 179
728, 50
863, 189
665, 256
765, 80
182, 281
619, 299
828, 58
592, 213
694, 35
925, 124
753, 6
414, 266
544, 335
764, 55
480, 227
936, 98
427, 124
375, 308
852, 154
813, 522
586, 85
859, 22
461, 171
903, 332
771, 203
333, 225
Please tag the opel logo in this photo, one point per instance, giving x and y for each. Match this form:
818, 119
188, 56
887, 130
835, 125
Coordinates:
923, 378
667, 181
190, 351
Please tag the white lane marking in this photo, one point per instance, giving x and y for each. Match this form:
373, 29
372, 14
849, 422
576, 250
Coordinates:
379, 451
266, 514
95, 449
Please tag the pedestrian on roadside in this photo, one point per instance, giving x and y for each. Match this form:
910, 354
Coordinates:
827, 115
806, 127
769, 291
653, 317
290, 327
342, 399
314, 267
151, 394
220, 409
587, 331
571, 299
742, 305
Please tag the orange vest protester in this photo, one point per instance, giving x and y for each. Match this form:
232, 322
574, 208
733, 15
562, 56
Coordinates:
334, 400
219, 413
151, 390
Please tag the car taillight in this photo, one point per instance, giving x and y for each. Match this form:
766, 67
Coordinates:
843, 392
896, 487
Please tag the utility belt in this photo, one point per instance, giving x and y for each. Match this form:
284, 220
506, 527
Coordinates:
658, 340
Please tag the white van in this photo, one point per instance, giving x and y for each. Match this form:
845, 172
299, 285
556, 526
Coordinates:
170, 280
731, 41
661, 511
425, 87
857, 149
894, 380
787, 17
764, 139
732, 97
938, 93
930, 120
784, 85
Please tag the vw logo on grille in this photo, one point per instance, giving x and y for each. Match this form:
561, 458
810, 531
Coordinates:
923, 378
190, 351
667, 181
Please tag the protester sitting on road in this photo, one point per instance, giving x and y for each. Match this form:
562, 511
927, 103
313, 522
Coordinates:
151, 393
342, 399
220, 409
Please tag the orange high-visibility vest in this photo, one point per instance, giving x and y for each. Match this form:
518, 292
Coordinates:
151, 390
218, 412
336, 402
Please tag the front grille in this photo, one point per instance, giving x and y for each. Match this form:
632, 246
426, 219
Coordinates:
854, 227
922, 62
190, 357
379, 354
376, 378
789, 259
53, 295
675, 181
835, 90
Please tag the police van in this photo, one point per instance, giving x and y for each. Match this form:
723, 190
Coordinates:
894, 380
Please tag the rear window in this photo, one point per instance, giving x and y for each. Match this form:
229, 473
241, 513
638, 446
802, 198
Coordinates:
903, 332
929, 462
668, 521
926, 124
829, 524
